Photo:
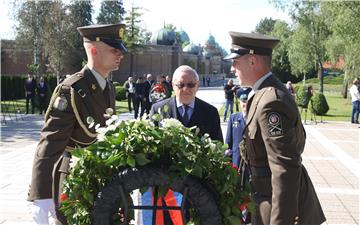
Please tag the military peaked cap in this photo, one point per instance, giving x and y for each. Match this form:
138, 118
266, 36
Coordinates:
250, 43
111, 34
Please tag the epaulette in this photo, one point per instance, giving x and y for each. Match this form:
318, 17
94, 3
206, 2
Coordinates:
69, 82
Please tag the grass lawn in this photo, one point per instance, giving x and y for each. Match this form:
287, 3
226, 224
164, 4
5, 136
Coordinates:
340, 108
19, 106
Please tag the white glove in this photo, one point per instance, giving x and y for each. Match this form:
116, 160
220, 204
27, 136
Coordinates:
228, 152
42, 210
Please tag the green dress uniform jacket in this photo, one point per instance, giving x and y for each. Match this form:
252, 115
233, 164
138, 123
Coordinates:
75, 102
275, 140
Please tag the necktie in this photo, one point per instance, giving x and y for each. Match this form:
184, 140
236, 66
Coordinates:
186, 116
106, 93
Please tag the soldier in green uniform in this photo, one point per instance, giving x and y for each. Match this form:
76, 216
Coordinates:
274, 138
82, 100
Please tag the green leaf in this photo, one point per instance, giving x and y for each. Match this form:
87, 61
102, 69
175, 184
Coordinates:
234, 220
130, 161
141, 159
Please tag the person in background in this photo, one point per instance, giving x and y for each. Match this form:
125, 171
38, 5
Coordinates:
290, 88
139, 98
355, 101
169, 83
229, 90
30, 87
42, 90
130, 93
190, 111
235, 130
82, 100
208, 80
198, 113
147, 88
274, 138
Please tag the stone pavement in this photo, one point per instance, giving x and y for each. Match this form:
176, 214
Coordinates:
331, 157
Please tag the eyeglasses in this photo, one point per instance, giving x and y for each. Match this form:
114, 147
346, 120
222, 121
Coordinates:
188, 85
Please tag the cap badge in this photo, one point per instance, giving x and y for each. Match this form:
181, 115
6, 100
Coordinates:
251, 51
121, 33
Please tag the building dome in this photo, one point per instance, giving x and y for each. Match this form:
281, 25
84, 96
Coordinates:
192, 49
163, 36
210, 42
183, 36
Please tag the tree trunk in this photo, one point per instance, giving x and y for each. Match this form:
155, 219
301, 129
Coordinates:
345, 86
321, 78
131, 64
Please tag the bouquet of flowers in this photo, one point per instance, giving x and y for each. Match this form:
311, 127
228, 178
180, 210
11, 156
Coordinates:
157, 93
134, 143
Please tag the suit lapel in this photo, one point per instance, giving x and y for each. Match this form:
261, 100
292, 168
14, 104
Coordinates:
173, 108
196, 112
95, 90
255, 99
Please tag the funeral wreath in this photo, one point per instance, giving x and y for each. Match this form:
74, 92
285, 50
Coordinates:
138, 143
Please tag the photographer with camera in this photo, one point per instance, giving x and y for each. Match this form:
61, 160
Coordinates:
230, 90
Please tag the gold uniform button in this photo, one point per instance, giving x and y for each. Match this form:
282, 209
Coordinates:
296, 222
296, 217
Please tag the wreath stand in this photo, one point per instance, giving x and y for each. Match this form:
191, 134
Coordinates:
196, 192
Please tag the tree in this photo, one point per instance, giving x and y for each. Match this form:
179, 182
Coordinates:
311, 37
301, 59
79, 14
111, 12
135, 35
280, 59
32, 17
55, 37
343, 18
265, 26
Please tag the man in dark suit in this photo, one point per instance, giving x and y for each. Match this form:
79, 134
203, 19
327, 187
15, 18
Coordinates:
42, 90
30, 87
188, 109
130, 93
80, 101
147, 88
275, 138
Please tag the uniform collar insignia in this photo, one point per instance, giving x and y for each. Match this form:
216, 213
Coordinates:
93, 87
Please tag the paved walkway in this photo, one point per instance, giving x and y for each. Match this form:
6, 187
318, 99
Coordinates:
331, 157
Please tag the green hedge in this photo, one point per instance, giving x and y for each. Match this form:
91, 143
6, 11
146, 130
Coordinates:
120, 93
302, 98
12, 87
319, 104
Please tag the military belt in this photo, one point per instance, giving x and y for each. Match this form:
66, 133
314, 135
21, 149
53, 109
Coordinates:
260, 171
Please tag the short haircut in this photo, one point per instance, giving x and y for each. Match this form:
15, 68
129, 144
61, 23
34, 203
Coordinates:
187, 69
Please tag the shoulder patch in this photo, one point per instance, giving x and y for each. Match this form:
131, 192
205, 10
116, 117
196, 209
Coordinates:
60, 103
274, 124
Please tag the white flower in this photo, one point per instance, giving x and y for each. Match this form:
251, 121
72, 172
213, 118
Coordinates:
212, 146
112, 119
170, 122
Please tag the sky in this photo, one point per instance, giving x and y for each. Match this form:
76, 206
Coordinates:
198, 18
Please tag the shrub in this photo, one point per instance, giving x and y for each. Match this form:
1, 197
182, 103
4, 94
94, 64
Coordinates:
302, 97
120, 93
319, 105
